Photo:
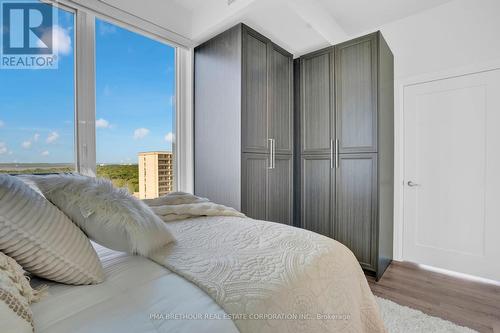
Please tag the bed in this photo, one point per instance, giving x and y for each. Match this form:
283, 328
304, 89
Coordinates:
219, 267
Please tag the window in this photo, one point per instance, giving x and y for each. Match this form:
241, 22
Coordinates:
37, 108
135, 110
47, 115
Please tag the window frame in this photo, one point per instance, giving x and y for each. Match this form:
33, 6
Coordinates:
86, 12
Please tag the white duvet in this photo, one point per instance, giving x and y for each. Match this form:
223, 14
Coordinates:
131, 300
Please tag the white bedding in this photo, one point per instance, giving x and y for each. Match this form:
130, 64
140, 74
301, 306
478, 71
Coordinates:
135, 288
290, 279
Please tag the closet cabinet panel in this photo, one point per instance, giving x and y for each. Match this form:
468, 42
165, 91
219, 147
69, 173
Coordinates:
316, 117
217, 111
254, 185
254, 99
356, 94
280, 113
243, 98
347, 96
356, 206
280, 190
317, 194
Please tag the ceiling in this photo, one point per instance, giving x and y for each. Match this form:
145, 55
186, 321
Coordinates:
191, 4
356, 16
297, 25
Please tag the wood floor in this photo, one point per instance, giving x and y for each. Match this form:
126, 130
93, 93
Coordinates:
464, 302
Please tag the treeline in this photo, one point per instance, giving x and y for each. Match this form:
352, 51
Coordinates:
37, 171
121, 175
126, 176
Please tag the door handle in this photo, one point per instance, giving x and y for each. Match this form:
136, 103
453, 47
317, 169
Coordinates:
270, 147
412, 184
337, 165
272, 154
331, 154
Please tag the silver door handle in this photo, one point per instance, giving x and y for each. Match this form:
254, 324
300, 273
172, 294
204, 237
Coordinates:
412, 184
331, 154
270, 147
337, 154
272, 154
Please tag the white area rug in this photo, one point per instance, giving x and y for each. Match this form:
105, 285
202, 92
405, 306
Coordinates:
402, 319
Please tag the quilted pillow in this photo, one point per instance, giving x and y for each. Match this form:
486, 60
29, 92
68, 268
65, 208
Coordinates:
42, 239
108, 215
16, 295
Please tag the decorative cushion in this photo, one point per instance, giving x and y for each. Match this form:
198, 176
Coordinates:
42, 239
16, 295
108, 215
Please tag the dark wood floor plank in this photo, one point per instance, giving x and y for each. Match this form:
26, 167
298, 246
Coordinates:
455, 295
463, 301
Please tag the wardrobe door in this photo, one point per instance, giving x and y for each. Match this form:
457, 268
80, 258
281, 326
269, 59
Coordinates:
317, 194
280, 190
254, 185
254, 92
280, 113
356, 94
316, 111
356, 206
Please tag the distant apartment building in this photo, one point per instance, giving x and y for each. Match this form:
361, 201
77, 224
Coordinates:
156, 174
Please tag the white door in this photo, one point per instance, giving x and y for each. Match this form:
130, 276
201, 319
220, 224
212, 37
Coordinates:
452, 174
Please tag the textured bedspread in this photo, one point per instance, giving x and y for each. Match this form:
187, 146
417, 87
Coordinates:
290, 279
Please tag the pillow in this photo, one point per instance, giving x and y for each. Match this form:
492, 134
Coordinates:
16, 295
108, 215
42, 239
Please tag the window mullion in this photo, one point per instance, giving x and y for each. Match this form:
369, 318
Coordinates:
184, 149
85, 93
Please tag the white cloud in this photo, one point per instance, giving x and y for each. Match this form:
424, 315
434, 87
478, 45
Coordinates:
169, 137
102, 123
140, 133
61, 40
45, 153
3, 148
26, 144
106, 29
53, 136
2, 124
36, 137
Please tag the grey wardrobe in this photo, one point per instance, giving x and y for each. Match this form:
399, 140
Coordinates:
244, 124
345, 147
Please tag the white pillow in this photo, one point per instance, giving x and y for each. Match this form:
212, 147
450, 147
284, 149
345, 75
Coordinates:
42, 239
16, 295
109, 216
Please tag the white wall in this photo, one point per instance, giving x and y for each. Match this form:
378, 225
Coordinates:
457, 34
456, 38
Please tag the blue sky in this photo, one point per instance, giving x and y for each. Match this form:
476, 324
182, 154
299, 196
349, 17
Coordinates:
135, 83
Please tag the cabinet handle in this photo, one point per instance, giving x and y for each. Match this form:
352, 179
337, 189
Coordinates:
331, 154
270, 146
337, 154
273, 154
